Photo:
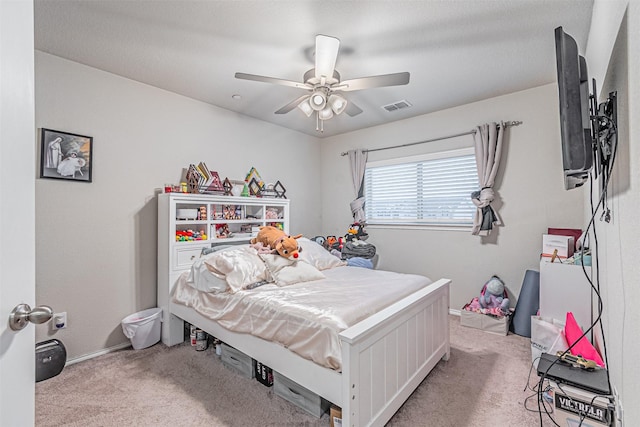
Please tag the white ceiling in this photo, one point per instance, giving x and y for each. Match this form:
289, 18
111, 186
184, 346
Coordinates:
456, 51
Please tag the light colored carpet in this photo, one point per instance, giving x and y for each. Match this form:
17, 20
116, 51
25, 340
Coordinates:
480, 385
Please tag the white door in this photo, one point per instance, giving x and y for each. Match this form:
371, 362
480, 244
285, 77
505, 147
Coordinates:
17, 210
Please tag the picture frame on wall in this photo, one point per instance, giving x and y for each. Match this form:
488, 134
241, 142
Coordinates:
65, 155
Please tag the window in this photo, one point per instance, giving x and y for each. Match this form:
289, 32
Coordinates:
428, 190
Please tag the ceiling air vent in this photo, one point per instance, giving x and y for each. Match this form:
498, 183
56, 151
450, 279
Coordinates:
397, 105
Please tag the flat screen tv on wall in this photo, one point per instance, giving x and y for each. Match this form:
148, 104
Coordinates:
575, 124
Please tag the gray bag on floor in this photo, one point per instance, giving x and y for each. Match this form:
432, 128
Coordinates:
527, 305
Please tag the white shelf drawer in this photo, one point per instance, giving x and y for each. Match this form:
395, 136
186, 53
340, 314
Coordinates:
184, 256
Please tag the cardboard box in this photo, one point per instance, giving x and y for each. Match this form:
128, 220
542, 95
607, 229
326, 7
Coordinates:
564, 244
335, 415
575, 232
485, 322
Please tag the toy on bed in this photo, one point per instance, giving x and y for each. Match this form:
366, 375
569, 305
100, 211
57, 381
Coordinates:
493, 299
356, 247
334, 242
279, 241
321, 240
356, 232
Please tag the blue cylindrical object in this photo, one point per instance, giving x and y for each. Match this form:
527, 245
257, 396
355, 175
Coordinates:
527, 305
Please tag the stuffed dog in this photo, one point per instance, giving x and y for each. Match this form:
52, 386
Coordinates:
278, 241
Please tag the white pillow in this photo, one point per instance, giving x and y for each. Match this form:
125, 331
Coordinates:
287, 272
318, 256
240, 267
203, 279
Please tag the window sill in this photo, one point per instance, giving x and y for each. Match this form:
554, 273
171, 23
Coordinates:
431, 227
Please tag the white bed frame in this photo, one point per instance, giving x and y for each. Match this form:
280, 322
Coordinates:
384, 357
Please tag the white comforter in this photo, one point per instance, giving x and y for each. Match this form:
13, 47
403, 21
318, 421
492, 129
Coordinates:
304, 317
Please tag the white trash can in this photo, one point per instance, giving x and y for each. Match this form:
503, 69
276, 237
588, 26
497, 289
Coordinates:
143, 327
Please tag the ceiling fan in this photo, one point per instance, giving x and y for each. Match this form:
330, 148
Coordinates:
324, 86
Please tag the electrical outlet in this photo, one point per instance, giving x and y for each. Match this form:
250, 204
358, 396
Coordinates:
59, 320
619, 411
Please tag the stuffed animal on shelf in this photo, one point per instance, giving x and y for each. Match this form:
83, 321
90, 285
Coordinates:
278, 241
493, 295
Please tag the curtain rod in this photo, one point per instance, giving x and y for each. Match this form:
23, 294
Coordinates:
506, 124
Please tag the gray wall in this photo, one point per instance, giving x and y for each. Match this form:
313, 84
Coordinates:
531, 196
96, 243
619, 240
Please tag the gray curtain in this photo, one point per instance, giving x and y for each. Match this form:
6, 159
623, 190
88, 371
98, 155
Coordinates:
488, 147
358, 162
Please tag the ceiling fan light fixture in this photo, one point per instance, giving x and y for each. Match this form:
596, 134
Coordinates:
318, 100
337, 103
326, 113
306, 107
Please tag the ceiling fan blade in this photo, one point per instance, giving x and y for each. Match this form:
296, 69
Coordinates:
264, 79
326, 55
395, 79
293, 104
352, 109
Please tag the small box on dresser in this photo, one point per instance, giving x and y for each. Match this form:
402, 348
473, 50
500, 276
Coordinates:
299, 396
237, 361
563, 244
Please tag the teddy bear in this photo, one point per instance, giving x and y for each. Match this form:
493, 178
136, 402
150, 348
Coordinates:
493, 295
278, 241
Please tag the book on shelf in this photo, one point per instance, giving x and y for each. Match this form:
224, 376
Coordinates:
207, 181
208, 178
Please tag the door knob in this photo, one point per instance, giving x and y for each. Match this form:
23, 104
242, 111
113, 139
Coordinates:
23, 314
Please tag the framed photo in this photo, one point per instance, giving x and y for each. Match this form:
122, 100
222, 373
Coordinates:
65, 155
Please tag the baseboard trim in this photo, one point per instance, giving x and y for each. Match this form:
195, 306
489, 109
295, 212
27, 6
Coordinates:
455, 312
97, 353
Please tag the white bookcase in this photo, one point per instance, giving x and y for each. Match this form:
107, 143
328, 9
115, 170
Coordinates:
188, 223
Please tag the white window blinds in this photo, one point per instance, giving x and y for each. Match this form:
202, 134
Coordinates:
430, 190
